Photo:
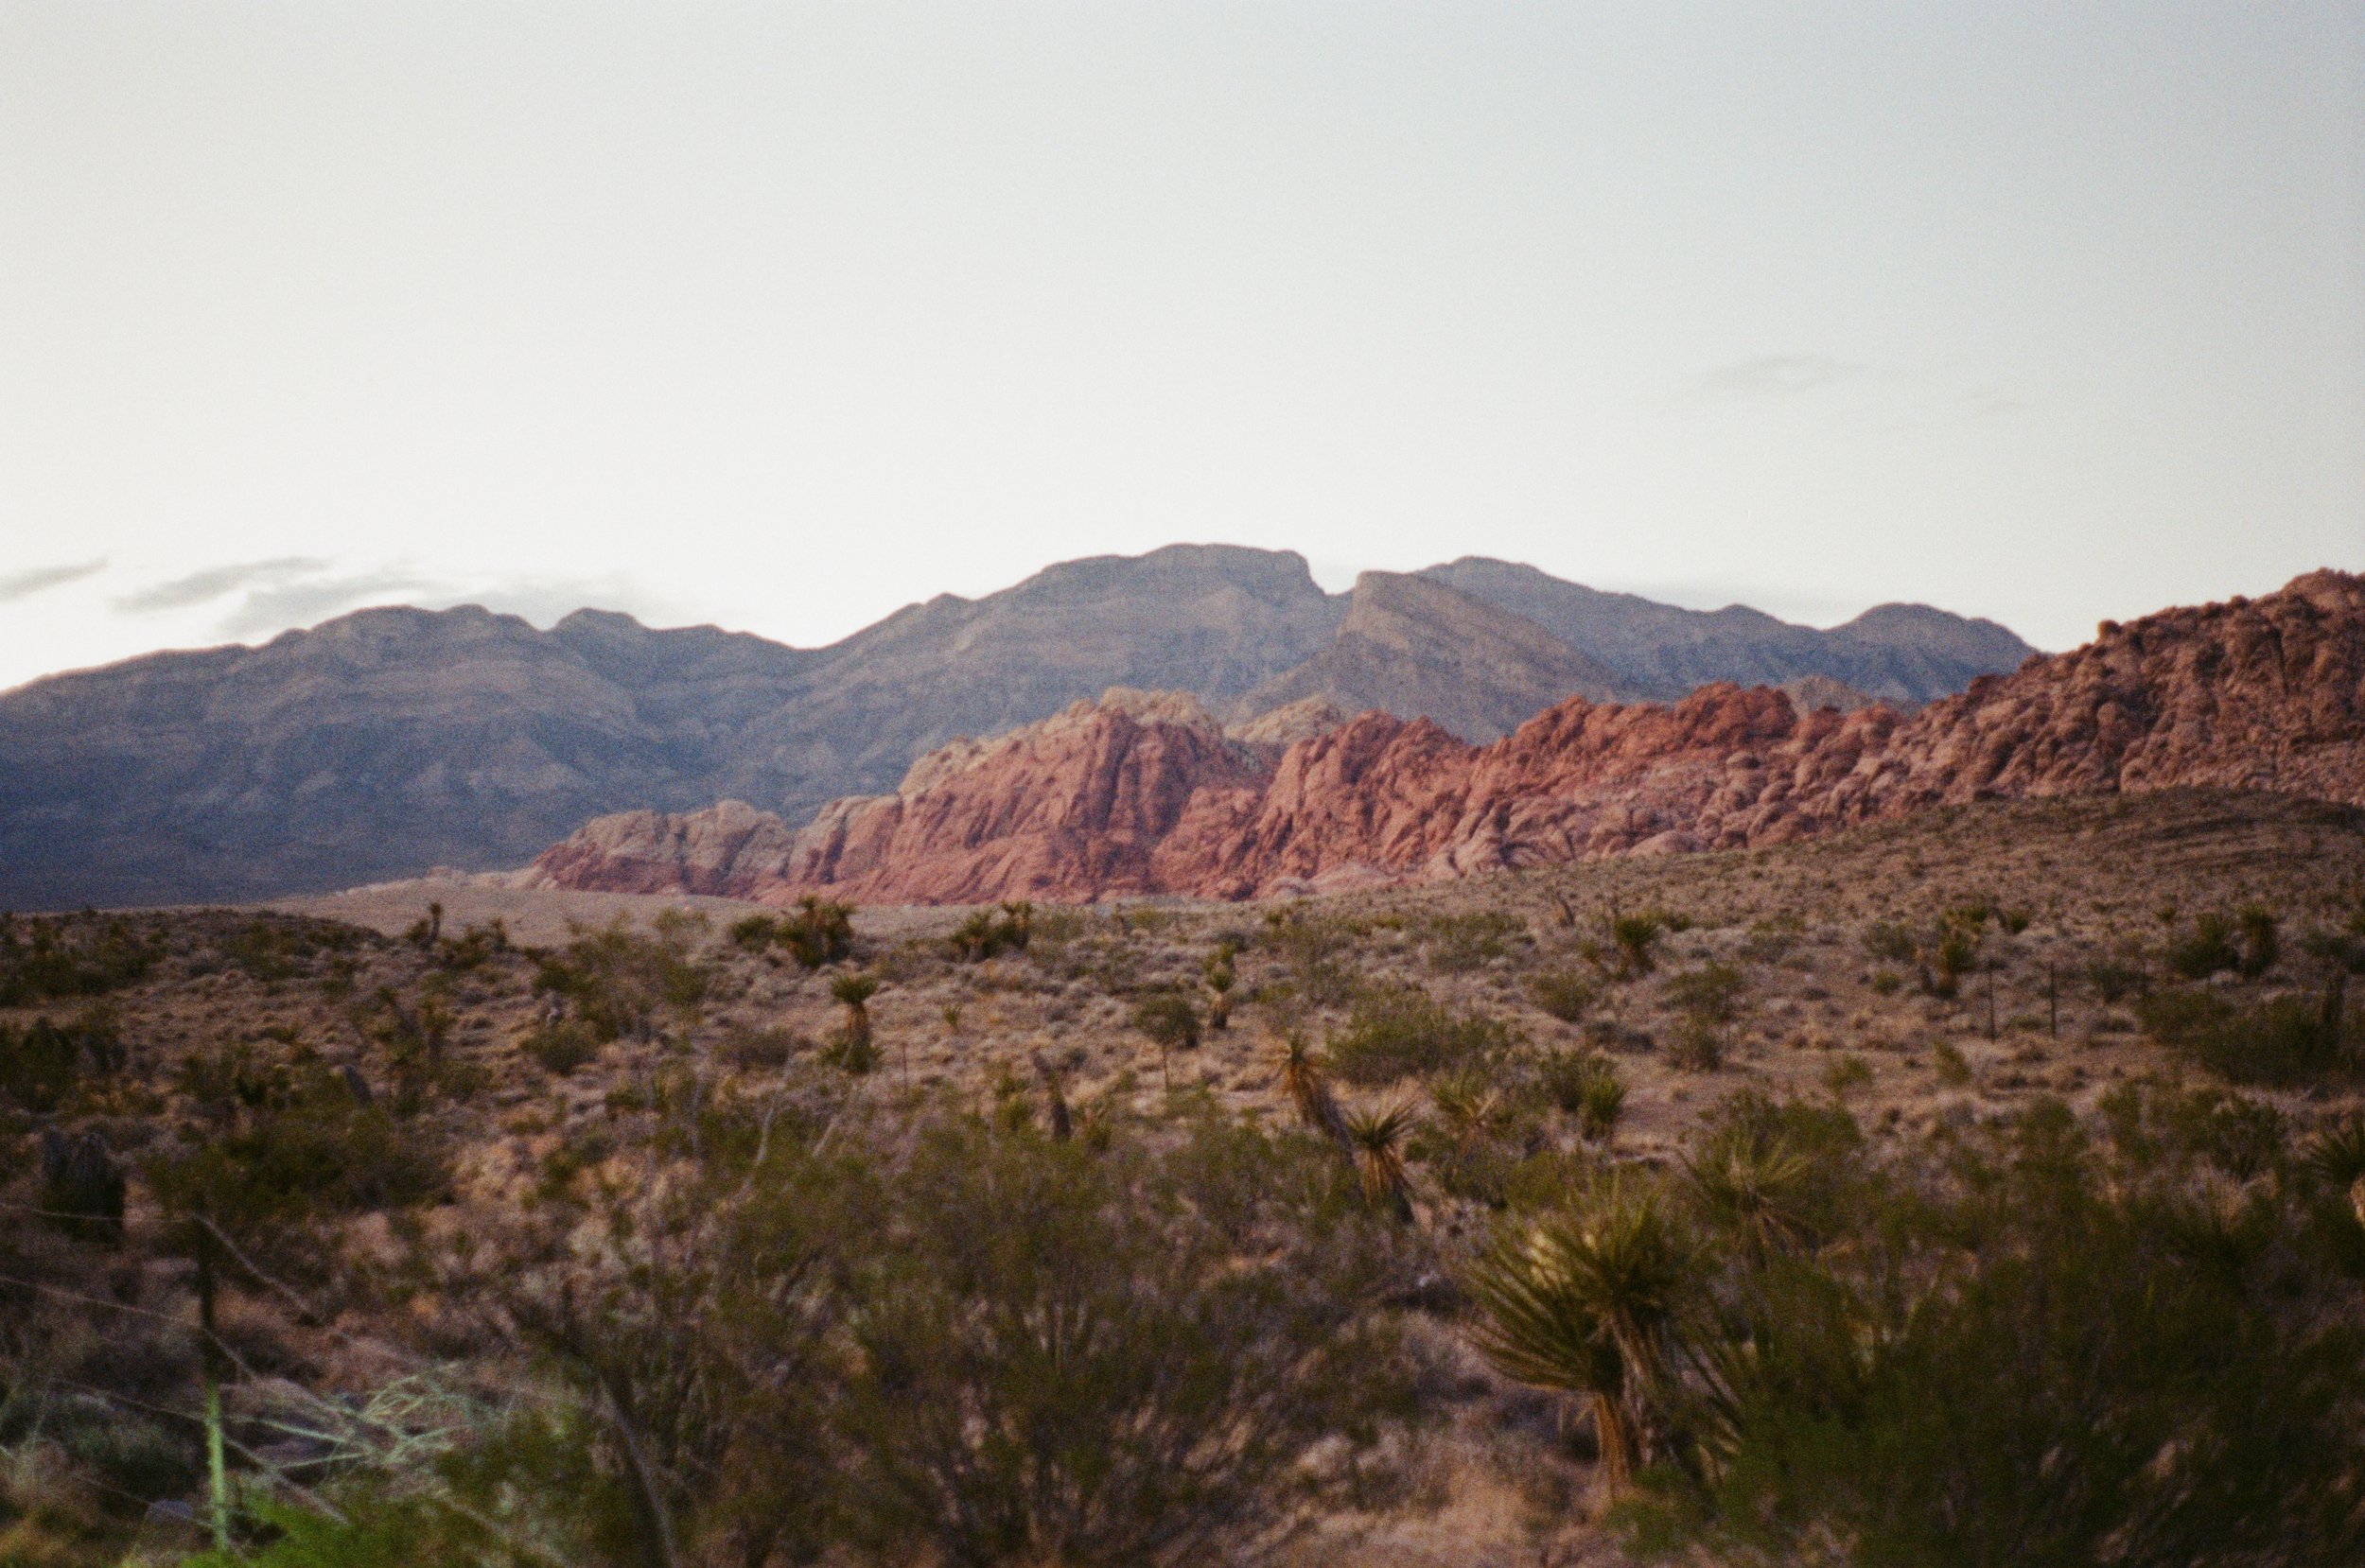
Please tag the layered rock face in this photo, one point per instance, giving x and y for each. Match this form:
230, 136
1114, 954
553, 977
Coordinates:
1142, 793
388, 741
1076, 805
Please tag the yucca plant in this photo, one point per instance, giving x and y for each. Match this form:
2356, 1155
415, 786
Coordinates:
1588, 1303
1308, 1086
1751, 1185
854, 991
1600, 1101
2337, 1155
1221, 979
1636, 936
1470, 1107
1377, 1138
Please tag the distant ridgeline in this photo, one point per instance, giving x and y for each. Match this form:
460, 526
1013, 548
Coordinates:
384, 743
1145, 792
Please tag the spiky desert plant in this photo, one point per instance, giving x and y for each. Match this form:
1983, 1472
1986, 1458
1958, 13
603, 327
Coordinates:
1601, 1099
1221, 979
1377, 1138
1588, 1303
1062, 1121
1470, 1107
1636, 936
853, 992
2261, 941
1751, 1185
2337, 1155
1307, 1085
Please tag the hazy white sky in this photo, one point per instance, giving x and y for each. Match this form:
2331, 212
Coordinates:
783, 316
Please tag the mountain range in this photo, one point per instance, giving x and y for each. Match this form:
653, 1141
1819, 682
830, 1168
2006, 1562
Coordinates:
390, 741
1145, 793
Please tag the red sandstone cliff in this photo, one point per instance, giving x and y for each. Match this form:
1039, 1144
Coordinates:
1142, 793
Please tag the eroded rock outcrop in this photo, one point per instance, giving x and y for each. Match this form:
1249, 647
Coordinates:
1142, 792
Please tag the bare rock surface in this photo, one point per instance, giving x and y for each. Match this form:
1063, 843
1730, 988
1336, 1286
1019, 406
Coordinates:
1140, 794
391, 739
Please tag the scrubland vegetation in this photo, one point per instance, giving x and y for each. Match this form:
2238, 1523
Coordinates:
1986, 1187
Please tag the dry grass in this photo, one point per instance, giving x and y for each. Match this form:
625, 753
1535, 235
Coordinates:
1795, 1003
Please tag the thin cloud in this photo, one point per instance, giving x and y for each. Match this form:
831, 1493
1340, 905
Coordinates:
311, 598
1773, 375
204, 588
24, 584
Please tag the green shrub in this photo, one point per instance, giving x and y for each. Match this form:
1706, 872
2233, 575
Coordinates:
2261, 944
1459, 943
1565, 995
621, 982
2283, 1041
40, 1065
307, 1148
2114, 981
1709, 993
1951, 957
2148, 1122
1169, 1020
820, 932
1954, 1068
1895, 944
982, 936
1846, 1074
853, 1053
755, 933
1585, 1084
1696, 1045
2208, 951
1400, 1033
1147, 1350
1636, 938
62, 958
2336, 1155
561, 1048
2087, 1375
753, 1050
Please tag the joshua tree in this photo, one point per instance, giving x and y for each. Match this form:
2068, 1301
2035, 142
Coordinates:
1169, 1021
1221, 979
1586, 1303
1063, 1123
1308, 1087
1377, 1138
854, 990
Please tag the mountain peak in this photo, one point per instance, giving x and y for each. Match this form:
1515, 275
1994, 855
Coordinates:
395, 738
2262, 695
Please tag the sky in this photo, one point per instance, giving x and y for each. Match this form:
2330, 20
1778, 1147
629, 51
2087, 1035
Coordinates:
784, 315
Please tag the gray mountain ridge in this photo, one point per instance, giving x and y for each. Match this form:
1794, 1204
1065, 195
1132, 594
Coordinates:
386, 742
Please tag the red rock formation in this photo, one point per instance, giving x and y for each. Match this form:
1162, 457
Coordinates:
1072, 807
1142, 793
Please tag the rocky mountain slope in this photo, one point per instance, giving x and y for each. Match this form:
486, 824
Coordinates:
1902, 652
1415, 647
1136, 794
384, 743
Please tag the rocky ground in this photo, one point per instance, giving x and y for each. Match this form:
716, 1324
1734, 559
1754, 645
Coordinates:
1800, 971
